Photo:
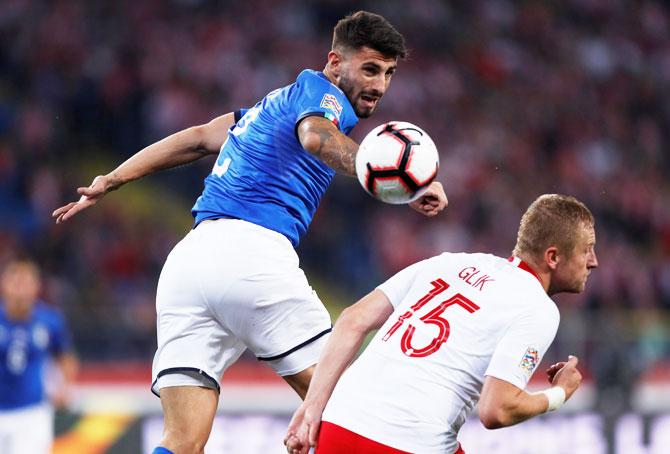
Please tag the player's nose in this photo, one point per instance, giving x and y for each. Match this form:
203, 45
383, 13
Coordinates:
593, 261
378, 85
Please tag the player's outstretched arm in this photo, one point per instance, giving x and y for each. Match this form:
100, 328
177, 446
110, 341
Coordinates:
349, 331
502, 404
432, 201
321, 137
177, 149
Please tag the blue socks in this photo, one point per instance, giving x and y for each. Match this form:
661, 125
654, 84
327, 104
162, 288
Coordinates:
161, 450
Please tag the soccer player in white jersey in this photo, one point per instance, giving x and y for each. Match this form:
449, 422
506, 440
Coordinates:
454, 329
234, 282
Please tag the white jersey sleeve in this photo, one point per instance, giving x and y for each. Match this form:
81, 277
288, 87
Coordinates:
397, 287
523, 345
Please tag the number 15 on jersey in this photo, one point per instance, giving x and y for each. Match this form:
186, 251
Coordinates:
433, 317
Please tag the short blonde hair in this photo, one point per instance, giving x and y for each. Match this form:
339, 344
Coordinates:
551, 220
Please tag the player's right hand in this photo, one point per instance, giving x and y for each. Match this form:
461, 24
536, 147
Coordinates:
566, 375
303, 430
90, 195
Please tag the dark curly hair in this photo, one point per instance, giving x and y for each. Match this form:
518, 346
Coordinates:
368, 29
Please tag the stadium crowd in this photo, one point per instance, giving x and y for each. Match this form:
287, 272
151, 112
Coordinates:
521, 98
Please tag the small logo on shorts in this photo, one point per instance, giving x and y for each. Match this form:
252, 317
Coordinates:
331, 103
529, 360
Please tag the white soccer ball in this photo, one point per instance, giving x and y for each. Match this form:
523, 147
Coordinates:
396, 162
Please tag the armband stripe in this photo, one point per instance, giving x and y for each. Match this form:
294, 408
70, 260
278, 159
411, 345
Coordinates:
326, 115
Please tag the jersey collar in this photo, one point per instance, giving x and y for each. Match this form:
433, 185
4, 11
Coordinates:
516, 261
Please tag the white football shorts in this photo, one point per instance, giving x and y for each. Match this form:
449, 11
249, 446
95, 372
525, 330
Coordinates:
227, 286
27, 429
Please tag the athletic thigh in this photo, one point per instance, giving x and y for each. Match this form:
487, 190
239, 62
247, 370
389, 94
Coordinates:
188, 414
189, 337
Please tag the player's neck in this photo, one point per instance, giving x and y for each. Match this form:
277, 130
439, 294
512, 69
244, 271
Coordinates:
329, 74
18, 311
542, 273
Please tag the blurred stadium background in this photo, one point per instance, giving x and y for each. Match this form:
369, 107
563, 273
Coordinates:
521, 98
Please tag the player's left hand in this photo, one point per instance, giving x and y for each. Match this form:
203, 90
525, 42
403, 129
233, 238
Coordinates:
553, 369
432, 201
303, 430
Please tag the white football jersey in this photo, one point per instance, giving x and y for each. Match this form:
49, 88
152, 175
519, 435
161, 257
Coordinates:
457, 318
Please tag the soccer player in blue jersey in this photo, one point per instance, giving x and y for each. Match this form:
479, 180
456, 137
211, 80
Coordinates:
30, 333
234, 282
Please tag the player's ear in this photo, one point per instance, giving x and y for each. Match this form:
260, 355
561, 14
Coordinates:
335, 62
551, 257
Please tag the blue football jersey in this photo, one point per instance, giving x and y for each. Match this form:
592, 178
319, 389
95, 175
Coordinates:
263, 175
24, 349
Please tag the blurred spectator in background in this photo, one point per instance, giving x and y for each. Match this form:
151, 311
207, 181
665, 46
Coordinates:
30, 334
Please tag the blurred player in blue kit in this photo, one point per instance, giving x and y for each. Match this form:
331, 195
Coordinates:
234, 281
30, 334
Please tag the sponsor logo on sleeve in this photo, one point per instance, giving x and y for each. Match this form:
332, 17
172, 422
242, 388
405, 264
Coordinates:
529, 361
331, 103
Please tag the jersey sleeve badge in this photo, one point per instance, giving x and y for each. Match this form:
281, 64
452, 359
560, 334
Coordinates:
529, 361
331, 103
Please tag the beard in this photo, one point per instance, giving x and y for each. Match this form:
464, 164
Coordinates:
349, 89
574, 286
